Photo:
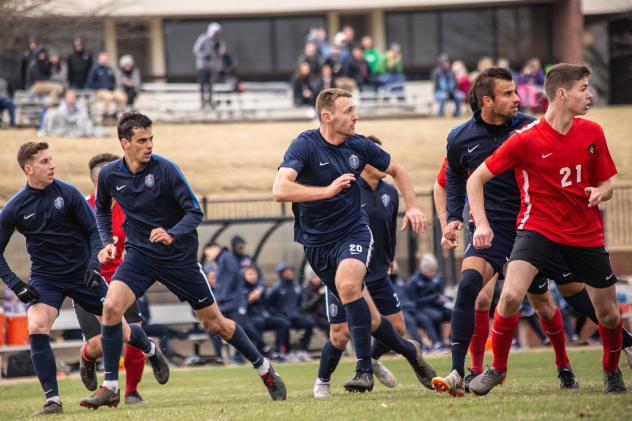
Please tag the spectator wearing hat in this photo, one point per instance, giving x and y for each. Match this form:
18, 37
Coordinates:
208, 49
129, 79
79, 65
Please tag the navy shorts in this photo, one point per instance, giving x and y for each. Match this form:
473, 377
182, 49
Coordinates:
498, 254
188, 282
357, 244
53, 293
382, 293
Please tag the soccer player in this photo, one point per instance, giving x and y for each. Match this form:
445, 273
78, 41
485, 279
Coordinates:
161, 217
563, 167
319, 175
63, 243
380, 201
134, 358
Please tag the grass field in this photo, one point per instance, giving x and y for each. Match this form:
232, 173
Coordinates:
531, 392
241, 158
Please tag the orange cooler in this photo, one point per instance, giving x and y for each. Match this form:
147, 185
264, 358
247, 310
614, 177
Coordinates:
17, 329
2, 327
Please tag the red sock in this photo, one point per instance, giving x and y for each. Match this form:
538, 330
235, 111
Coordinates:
611, 341
554, 329
503, 331
84, 353
134, 360
477, 345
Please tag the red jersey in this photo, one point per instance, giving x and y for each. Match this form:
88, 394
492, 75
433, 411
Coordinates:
552, 171
118, 217
441, 176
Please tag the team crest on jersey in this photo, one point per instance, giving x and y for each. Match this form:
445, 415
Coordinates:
354, 161
149, 180
59, 202
386, 200
333, 310
592, 148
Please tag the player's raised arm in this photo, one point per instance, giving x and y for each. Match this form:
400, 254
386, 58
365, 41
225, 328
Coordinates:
286, 189
483, 235
413, 215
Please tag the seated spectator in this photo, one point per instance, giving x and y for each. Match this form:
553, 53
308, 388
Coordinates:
303, 87
370, 54
79, 65
102, 79
310, 56
6, 102
129, 79
326, 79
313, 300
238, 246
484, 63
58, 70
318, 35
350, 40
391, 68
284, 300
462, 78
70, 119
445, 88
39, 78
341, 45
531, 84
28, 57
358, 69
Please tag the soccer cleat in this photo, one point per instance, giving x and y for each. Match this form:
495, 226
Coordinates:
133, 398
50, 407
468, 379
628, 354
453, 384
567, 378
613, 382
275, 385
102, 397
321, 389
383, 374
425, 373
160, 366
88, 372
485, 382
361, 382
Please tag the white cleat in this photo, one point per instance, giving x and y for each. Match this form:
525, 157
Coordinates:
383, 374
322, 389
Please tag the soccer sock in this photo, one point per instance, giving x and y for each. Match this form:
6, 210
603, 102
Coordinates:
134, 360
387, 334
611, 343
329, 359
138, 339
359, 320
244, 345
378, 349
503, 331
44, 363
462, 322
112, 343
554, 329
479, 339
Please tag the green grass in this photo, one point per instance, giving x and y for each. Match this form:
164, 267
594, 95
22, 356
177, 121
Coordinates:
531, 392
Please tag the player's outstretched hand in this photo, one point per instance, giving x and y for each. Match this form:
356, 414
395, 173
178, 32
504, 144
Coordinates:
339, 184
159, 235
450, 239
25, 292
483, 237
416, 218
92, 278
594, 196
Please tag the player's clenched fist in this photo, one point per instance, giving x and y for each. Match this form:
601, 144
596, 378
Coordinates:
483, 237
107, 254
449, 240
339, 184
416, 219
159, 235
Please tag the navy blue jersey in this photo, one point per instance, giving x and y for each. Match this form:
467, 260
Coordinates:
60, 230
284, 299
469, 144
381, 207
229, 286
156, 196
318, 163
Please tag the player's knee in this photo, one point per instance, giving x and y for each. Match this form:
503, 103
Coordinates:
212, 324
609, 317
510, 300
470, 283
483, 302
112, 310
36, 327
339, 335
349, 289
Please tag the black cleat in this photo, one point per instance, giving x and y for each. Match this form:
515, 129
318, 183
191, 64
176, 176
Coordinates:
275, 385
361, 382
50, 407
613, 382
88, 373
467, 379
567, 378
425, 373
133, 398
159, 365
102, 397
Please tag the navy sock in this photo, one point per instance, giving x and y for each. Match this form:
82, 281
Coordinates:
462, 322
112, 344
329, 359
138, 338
359, 320
378, 349
244, 345
389, 337
44, 363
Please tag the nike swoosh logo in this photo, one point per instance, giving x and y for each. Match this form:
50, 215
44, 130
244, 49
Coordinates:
454, 343
28, 216
470, 150
363, 205
608, 277
566, 275
202, 300
121, 187
546, 155
322, 164
541, 285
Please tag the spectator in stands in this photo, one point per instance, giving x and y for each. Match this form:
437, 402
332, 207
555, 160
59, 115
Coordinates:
6, 102
303, 86
58, 70
79, 65
335, 62
358, 69
228, 73
445, 87
350, 40
371, 55
207, 50
462, 78
531, 84
313, 300
484, 63
39, 78
310, 56
102, 79
340, 43
318, 35
238, 246
70, 119
326, 80
28, 57
209, 258
129, 79
391, 68
284, 300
